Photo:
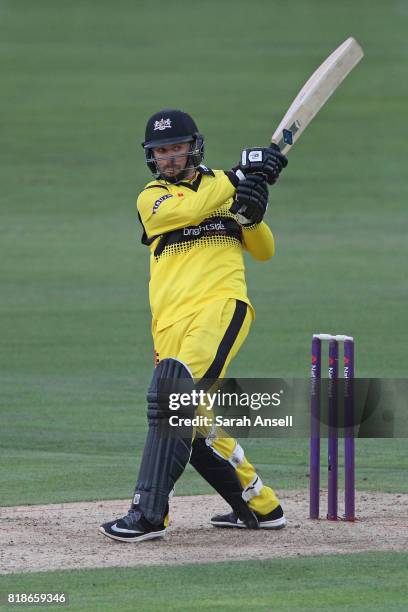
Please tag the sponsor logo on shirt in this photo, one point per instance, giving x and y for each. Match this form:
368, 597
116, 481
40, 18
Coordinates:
204, 228
159, 201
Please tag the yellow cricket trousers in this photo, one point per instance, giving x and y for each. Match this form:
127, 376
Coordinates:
206, 342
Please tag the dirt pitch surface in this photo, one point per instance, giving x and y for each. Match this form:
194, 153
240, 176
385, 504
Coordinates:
66, 536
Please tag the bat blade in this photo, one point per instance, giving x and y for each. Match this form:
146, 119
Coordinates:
315, 93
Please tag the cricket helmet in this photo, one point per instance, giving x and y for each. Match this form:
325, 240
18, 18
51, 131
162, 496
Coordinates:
170, 126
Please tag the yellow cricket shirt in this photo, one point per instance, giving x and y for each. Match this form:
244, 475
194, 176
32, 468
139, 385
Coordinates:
196, 244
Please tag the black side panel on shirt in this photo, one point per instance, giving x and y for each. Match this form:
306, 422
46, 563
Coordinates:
145, 240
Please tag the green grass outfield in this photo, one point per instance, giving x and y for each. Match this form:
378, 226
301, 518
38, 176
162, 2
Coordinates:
78, 80
371, 582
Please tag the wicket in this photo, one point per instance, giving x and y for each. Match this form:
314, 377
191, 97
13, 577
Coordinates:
332, 443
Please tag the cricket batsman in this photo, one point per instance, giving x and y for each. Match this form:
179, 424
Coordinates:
196, 223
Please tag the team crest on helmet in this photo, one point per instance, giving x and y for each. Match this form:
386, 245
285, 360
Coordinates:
163, 124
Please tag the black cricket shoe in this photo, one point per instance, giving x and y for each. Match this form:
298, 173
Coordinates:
132, 528
274, 520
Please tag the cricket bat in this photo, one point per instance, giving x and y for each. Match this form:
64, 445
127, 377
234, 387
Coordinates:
315, 93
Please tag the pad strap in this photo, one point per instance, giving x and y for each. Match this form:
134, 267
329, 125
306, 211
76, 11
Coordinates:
253, 489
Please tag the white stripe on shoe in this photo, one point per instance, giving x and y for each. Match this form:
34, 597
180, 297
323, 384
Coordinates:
149, 535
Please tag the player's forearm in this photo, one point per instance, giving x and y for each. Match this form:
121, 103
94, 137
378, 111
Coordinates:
259, 241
